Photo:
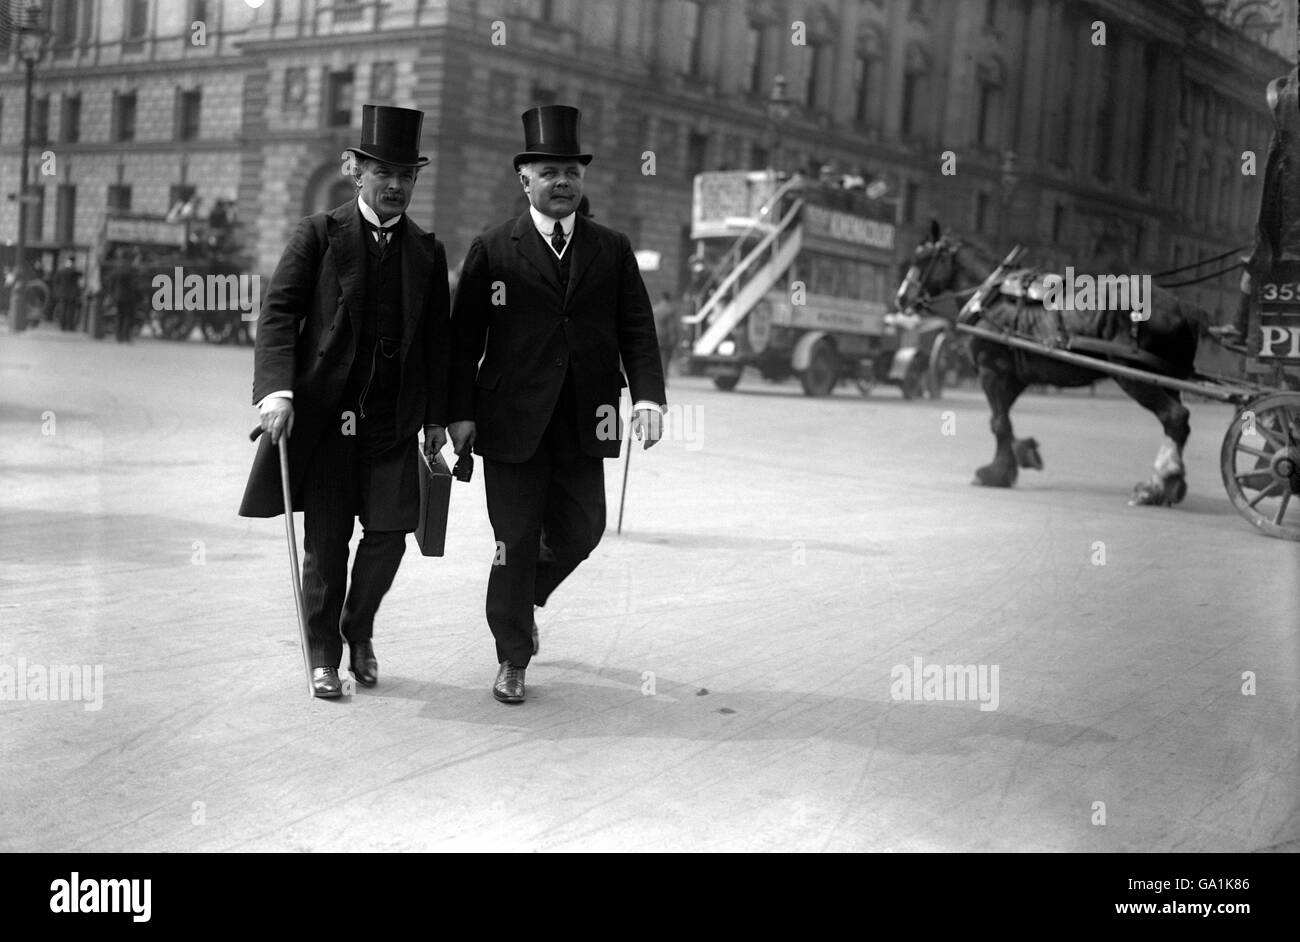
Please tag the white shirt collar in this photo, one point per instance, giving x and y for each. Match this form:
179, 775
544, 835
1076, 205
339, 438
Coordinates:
370, 216
546, 225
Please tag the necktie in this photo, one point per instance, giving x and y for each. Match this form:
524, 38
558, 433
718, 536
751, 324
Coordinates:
557, 238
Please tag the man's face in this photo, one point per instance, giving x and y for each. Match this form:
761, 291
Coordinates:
386, 189
554, 187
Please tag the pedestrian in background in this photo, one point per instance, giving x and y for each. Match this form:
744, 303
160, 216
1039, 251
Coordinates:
126, 293
67, 294
668, 328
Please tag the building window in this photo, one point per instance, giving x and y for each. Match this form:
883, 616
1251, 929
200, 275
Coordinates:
2, 118
697, 153
70, 119
1146, 139
65, 214
119, 197
35, 213
124, 117
754, 58
198, 11
916, 69
383, 81
991, 13
188, 109
41, 120
692, 14
346, 11
1058, 224
65, 22
295, 87
916, 9
907, 208
1104, 128
338, 98
861, 89
981, 212
179, 194
912, 100
137, 19
988, 131
818, 55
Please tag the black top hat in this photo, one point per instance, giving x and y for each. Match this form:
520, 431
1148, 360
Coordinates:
391, 135
551, 131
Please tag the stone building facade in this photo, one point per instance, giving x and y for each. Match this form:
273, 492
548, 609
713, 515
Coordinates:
1096, 132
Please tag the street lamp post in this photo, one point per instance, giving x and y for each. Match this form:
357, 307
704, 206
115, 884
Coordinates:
778, 112
31, 45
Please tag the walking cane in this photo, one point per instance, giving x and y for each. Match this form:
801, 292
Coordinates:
293, 550
626, 463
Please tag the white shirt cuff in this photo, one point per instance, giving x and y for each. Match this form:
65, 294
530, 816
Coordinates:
647, 404
279, 394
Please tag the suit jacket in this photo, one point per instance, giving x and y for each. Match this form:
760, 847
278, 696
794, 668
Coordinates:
510, 312
307, 339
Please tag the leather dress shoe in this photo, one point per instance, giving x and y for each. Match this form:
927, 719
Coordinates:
325, 683
509, 686
364, 664
537, 641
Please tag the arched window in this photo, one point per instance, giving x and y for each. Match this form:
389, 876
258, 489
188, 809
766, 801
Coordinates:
867, 64
916, 85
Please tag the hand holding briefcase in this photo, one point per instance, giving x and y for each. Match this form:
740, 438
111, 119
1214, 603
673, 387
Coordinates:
435, 496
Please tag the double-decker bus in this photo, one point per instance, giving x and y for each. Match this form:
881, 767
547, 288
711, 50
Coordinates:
797, 278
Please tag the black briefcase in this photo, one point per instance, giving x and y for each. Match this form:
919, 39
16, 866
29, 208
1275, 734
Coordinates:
435, 496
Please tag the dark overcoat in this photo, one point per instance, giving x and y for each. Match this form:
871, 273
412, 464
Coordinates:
307, 339
511, 312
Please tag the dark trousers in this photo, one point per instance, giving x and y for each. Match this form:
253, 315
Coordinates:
548, 514
125, 319
331, 501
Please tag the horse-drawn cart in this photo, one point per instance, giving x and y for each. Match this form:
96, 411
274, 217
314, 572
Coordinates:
1260, 455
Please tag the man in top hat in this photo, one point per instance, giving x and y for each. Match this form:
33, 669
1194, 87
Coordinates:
350, 363
549, 302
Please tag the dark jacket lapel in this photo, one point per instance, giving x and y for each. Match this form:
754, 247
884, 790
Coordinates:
585, 248
530, 245
343, 231
417, 263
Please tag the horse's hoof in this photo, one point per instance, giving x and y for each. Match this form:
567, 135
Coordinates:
988, 476
1175, 490
1026, 452
1148, 494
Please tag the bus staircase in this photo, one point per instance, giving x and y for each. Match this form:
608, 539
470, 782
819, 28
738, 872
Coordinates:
746, 281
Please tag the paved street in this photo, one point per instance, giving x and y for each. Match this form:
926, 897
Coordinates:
718, 677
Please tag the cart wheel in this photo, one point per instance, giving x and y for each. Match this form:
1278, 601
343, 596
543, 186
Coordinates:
726, 381
1260, 462
937, 370
819, 378
175, 325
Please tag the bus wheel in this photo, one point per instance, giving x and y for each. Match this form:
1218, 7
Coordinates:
819, 378
726, 381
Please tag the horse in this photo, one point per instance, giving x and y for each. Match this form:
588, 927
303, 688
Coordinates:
1164, 344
